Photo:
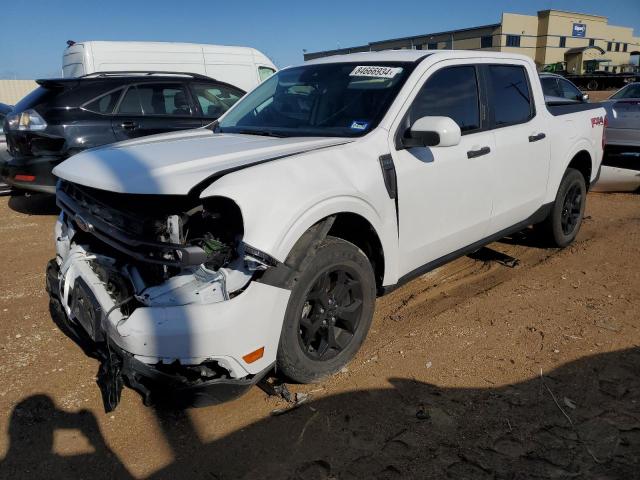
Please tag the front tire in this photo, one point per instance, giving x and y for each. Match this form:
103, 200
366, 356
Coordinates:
329, 312
564, 221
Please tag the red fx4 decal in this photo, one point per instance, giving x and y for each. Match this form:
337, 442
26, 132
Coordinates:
595, 121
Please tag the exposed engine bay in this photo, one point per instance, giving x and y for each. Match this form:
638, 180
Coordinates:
182, 253
147, 285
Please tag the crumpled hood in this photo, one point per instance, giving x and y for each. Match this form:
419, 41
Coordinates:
174, 163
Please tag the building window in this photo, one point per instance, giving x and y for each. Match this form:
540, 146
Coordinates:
513, 40
608, 46
432, 45
486, 41
624, 47
606, 68
563, 42
418, 47
592, 42
618, 47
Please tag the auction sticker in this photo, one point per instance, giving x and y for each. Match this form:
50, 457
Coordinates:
374, 71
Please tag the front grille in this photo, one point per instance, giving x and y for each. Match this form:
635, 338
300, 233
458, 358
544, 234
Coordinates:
85, 198
134, 234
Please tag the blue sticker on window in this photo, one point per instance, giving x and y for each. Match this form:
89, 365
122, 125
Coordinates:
359, 125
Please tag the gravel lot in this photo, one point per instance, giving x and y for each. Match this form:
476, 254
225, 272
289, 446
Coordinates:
476, 370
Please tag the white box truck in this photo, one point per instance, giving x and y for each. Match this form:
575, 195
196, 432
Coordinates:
243, 67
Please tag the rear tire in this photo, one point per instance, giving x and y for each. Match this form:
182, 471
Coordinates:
329, 312
563, 223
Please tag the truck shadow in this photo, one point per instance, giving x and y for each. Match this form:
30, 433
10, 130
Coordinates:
35, 204
581, 420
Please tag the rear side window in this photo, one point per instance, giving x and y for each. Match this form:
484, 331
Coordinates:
265, 72
550, 87
569, 90
214, 100
104, 104
130, 104
155, 99
450, 92
509, 94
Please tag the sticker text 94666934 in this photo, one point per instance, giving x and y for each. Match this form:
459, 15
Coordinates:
375, 71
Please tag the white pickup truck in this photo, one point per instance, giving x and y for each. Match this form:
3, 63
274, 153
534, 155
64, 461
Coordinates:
195, 262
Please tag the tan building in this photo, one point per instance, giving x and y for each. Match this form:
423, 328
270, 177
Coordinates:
585, 42
11, 91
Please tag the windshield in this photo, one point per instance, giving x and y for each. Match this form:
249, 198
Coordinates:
630, 91
338, 100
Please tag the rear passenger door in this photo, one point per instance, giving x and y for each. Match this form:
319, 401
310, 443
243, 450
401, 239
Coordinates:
520, 168
212, 100
149, 108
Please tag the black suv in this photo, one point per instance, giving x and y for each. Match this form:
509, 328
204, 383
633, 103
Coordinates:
65, 116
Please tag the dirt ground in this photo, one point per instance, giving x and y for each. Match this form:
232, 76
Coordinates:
599, 96
474, 371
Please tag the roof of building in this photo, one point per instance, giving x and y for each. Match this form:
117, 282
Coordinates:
436, 34
576, 14
400, 39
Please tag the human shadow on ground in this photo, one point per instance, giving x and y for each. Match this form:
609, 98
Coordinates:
581, 420
34, 422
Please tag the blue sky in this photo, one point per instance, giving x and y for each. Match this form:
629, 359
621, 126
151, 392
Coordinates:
34, 32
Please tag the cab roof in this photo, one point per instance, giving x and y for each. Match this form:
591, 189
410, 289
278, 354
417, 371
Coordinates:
410, 56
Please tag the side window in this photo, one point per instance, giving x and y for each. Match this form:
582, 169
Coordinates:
214, 100
130, 104
450, 92
104, 104
265, 72
550, 87
509, 95
569, 90
158, 99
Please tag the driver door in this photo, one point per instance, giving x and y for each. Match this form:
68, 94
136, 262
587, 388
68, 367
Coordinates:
444, 193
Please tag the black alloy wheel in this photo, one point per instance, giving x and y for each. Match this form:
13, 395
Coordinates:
331, 314
329, 311
563, 223
571, 209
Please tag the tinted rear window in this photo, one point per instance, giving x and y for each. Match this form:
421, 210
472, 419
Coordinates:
38, 96
510, 97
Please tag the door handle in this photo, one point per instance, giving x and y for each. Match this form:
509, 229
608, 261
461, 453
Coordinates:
128, 125
478, 153
535, 138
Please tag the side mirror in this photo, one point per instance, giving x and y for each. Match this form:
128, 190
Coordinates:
584, 97
432, 132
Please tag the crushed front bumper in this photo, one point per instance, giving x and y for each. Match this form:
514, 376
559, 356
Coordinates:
151, 348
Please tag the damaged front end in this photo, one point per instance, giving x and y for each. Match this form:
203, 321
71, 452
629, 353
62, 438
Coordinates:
163, 291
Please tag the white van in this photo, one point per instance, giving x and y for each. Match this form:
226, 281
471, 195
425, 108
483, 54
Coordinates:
243, 67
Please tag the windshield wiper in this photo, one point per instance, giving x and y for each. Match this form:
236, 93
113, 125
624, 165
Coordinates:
264, 133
